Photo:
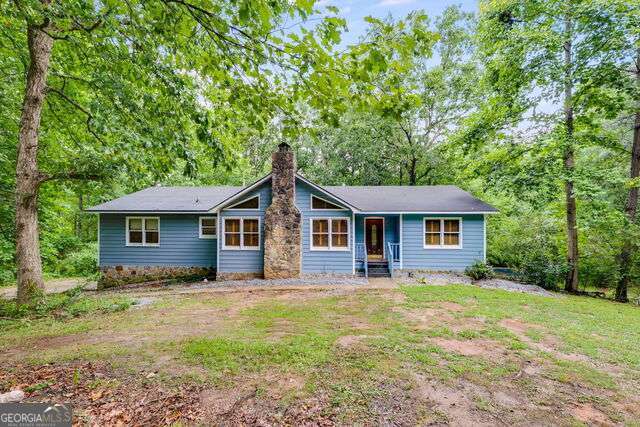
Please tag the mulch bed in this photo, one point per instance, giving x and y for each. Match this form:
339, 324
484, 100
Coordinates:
101, 396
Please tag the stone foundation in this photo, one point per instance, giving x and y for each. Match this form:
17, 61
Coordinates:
126, 274
238, 276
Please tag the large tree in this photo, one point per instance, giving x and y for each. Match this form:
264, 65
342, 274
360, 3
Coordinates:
143, 85
547, 61
631, 206
424, 90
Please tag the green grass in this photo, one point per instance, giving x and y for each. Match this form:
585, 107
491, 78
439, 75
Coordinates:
601, 329
390, 341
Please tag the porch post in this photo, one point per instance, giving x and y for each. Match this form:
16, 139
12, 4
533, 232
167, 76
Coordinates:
401, 246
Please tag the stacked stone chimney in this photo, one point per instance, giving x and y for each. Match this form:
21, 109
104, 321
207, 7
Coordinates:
282, 220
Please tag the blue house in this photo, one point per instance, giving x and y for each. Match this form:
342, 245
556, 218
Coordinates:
286, 226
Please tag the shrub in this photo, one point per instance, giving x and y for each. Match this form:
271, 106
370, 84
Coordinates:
83, 262
479, 270
542, 270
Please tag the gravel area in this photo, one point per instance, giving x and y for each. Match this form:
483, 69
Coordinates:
251, 283
510, 285
440, 279
325, 281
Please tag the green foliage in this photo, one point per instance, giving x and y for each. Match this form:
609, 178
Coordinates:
540, 268
72, 303
479, 270
82, 262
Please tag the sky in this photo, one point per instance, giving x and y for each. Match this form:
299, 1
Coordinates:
354, 11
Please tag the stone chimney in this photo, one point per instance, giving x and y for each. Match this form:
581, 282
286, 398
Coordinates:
282, 223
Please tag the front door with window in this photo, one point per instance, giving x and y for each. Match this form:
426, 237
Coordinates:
374, 237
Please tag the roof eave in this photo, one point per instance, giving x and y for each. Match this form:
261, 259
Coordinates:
138, 211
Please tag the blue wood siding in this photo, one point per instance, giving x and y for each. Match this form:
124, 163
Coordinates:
415, 256
336, 262
180, 244
245, 261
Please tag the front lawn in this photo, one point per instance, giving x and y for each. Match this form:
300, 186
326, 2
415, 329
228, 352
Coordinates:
411, 355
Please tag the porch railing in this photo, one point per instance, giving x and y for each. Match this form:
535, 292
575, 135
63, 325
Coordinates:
361, 255
393, 255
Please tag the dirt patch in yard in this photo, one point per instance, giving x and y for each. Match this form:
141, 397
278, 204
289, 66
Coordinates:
477, 347
548, 344
590, 415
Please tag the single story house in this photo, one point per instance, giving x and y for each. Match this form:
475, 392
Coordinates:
286, 226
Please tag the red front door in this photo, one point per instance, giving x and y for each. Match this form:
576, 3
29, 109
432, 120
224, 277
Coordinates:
374, 237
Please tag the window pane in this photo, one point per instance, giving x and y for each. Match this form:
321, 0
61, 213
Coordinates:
432, 238
320, 226
251, 240
232, 239
321, 240
151, 224
339, 225
339, 240
451, 225
208, 222
135, 223
432, 225
251, 203
317, 203
451, 239
208, 231
135, 236
251, 225
152, 237
232, 225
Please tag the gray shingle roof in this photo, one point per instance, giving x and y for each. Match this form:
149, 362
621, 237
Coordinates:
169, 199
428, 198
432, 199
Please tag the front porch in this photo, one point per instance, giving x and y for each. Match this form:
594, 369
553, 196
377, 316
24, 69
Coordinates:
378, 244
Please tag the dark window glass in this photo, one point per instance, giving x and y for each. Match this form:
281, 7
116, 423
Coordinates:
251, 203
317, 203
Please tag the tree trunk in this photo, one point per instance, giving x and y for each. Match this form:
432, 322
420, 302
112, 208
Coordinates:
412, 172
30, 281
631, 207
571, 282
79, 217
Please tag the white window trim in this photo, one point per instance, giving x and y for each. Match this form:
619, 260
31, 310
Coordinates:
207, 236
311, 196
242, 247
242, 201
330, 247
443, 246
144, 235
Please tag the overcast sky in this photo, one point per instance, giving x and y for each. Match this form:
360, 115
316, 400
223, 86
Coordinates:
354, 11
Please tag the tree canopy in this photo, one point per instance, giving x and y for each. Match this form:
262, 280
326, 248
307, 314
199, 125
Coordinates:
530, 105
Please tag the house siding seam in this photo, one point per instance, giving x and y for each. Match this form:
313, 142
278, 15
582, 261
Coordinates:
416, 257
180, 245
245, 261
319, 262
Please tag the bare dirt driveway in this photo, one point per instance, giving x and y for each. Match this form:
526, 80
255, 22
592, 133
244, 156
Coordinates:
52, 286
379, 354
